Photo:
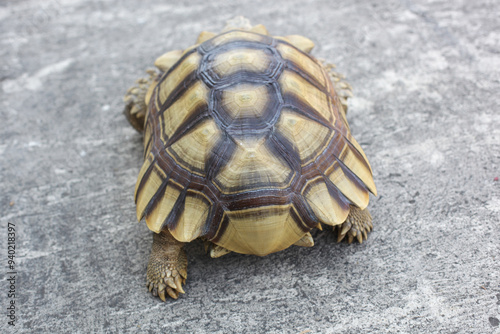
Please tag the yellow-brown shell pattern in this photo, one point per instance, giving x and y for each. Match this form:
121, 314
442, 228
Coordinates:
246, 145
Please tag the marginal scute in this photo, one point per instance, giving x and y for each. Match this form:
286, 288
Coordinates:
147, 138
349, 187
145, 167
148, 189
193, 217
205, 36
193, 149
329, 210
308, 136
157, 216
262, 230
189, 49
306, 241
252, 167
167, 60
359, 166
235, 35
259, 29
354, 143
301, 42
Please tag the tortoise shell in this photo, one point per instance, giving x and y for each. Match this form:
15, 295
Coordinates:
247, 145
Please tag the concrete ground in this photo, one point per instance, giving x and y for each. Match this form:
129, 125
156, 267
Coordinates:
426, 78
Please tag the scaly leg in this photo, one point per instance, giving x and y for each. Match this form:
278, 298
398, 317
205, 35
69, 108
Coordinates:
137, 99
167, 267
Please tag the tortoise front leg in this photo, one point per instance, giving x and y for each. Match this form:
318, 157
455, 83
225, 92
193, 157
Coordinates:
167, 267
357, 225
137, 100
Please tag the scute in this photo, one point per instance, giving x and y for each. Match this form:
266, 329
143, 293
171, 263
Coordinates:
235, 35
253, 166
348, 184
148, 186
298, 90
245, 101
245, 59
163, 206
359, 166
167, 60
302, 63
193, 148
307, 136
262, 230
194, 99
246, 109
328, 206
193, 217
177, 75
205, 36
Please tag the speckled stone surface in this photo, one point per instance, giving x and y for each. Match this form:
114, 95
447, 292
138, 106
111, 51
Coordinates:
426, 77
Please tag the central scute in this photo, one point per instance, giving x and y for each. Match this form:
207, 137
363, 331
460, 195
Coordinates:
247, 108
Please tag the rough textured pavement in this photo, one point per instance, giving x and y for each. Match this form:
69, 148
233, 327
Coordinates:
426, 110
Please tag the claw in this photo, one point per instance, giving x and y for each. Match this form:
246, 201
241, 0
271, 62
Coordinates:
354, 232
350, 237
359, 236
183, 273
365, 235
171, 293
161, 294
340, 233
155, 292
170, 282
345, 227
340, 237
178, 284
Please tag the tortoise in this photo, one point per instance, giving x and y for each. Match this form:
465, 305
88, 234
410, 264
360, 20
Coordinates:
246, 146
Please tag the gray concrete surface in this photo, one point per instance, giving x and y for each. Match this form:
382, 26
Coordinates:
426, 110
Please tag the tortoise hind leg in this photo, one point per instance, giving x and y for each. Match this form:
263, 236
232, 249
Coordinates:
137, 100
357, 225
167, 266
